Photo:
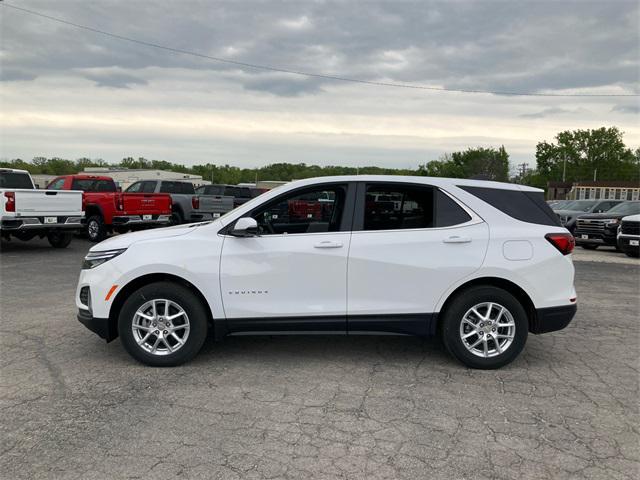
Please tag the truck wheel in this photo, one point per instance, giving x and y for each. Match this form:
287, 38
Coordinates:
176, 217
96, 230
59, 239
632, 253
587, 246
163, 324
485, 327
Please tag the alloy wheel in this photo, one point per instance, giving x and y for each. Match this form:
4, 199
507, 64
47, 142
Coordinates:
487, 329
160, 327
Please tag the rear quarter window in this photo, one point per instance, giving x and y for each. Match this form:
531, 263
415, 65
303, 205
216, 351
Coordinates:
527, 207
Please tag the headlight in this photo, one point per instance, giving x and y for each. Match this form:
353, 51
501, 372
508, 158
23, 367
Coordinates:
93, 259
612, 222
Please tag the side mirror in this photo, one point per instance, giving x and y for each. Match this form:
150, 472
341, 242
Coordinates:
245, 227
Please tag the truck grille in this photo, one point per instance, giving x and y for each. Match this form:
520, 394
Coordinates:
590, 226
630, 228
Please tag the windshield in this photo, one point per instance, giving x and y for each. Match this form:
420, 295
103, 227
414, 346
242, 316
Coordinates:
580, 205
626, 208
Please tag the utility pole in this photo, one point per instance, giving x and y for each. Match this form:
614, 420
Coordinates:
595, 174
564, 168
522, 171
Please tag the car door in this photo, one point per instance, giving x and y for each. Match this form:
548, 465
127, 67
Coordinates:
410, 243
293, 275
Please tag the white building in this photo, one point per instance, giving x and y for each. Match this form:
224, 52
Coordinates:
125, 176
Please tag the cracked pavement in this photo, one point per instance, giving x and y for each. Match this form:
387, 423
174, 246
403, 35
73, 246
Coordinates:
74, 407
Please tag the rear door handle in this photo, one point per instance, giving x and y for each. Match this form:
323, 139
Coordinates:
328, 244
456, 239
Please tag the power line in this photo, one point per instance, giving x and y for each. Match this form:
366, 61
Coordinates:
304, 73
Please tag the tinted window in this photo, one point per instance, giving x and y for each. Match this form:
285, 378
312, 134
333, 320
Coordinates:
391, 207
91, 185
148, 187
57, 184
310, 211
15, 180
527, 207
448, 212
626, 208
214, 190
177, 187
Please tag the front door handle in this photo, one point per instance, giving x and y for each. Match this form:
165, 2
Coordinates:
456, 239
328, 244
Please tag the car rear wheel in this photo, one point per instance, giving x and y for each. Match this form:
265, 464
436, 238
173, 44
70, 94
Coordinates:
163, 324
485, 327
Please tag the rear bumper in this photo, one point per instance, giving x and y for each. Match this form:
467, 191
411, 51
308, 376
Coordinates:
139, 220
99, 326
552, 318
14, 224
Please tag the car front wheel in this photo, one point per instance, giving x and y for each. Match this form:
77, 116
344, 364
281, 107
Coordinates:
163, 324
485, 327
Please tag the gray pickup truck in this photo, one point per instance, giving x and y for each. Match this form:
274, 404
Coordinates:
186, 205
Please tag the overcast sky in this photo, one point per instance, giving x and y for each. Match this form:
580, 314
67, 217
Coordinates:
71, 93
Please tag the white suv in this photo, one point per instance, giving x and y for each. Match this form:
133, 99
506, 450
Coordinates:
482, 263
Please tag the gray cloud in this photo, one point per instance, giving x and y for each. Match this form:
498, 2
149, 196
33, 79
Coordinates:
630, 108
548, 112
515, 46
115, 80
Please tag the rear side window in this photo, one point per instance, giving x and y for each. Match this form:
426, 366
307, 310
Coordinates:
15, 180
393, 207
91, 185
527, 207
448, 212
177, 187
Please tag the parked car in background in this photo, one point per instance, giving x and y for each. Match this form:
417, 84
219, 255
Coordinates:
629, 235
26, 212
108, 209
239, 194
186, 206
481, 263
595, 229
558, 204
570, 212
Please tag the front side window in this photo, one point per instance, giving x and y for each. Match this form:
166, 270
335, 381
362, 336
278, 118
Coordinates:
310, 211
393, 207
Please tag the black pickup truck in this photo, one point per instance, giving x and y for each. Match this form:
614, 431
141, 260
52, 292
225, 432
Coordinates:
595, 229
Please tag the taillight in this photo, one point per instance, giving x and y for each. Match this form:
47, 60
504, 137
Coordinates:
119, 202
564, 242
10, 206
195, 202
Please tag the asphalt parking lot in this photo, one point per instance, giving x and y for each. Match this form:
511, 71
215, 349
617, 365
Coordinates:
315, 407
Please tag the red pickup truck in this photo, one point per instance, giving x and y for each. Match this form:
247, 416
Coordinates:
107, 209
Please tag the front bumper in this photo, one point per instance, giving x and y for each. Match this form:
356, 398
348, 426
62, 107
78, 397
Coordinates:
140, 220
14, 224
625, 243
594, 238
551, 319
101, 326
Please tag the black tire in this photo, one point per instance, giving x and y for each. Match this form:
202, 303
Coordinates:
177, 218
460, 305
182, 296
96, 229
59, 239
632, 253
588, 246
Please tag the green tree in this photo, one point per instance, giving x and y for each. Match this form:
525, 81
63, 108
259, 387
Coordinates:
490, 163
599, 153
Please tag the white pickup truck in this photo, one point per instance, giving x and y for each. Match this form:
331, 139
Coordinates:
26, 212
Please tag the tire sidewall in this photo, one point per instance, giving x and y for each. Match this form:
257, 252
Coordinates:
59, 239
461, 304
101, 233
182, 296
